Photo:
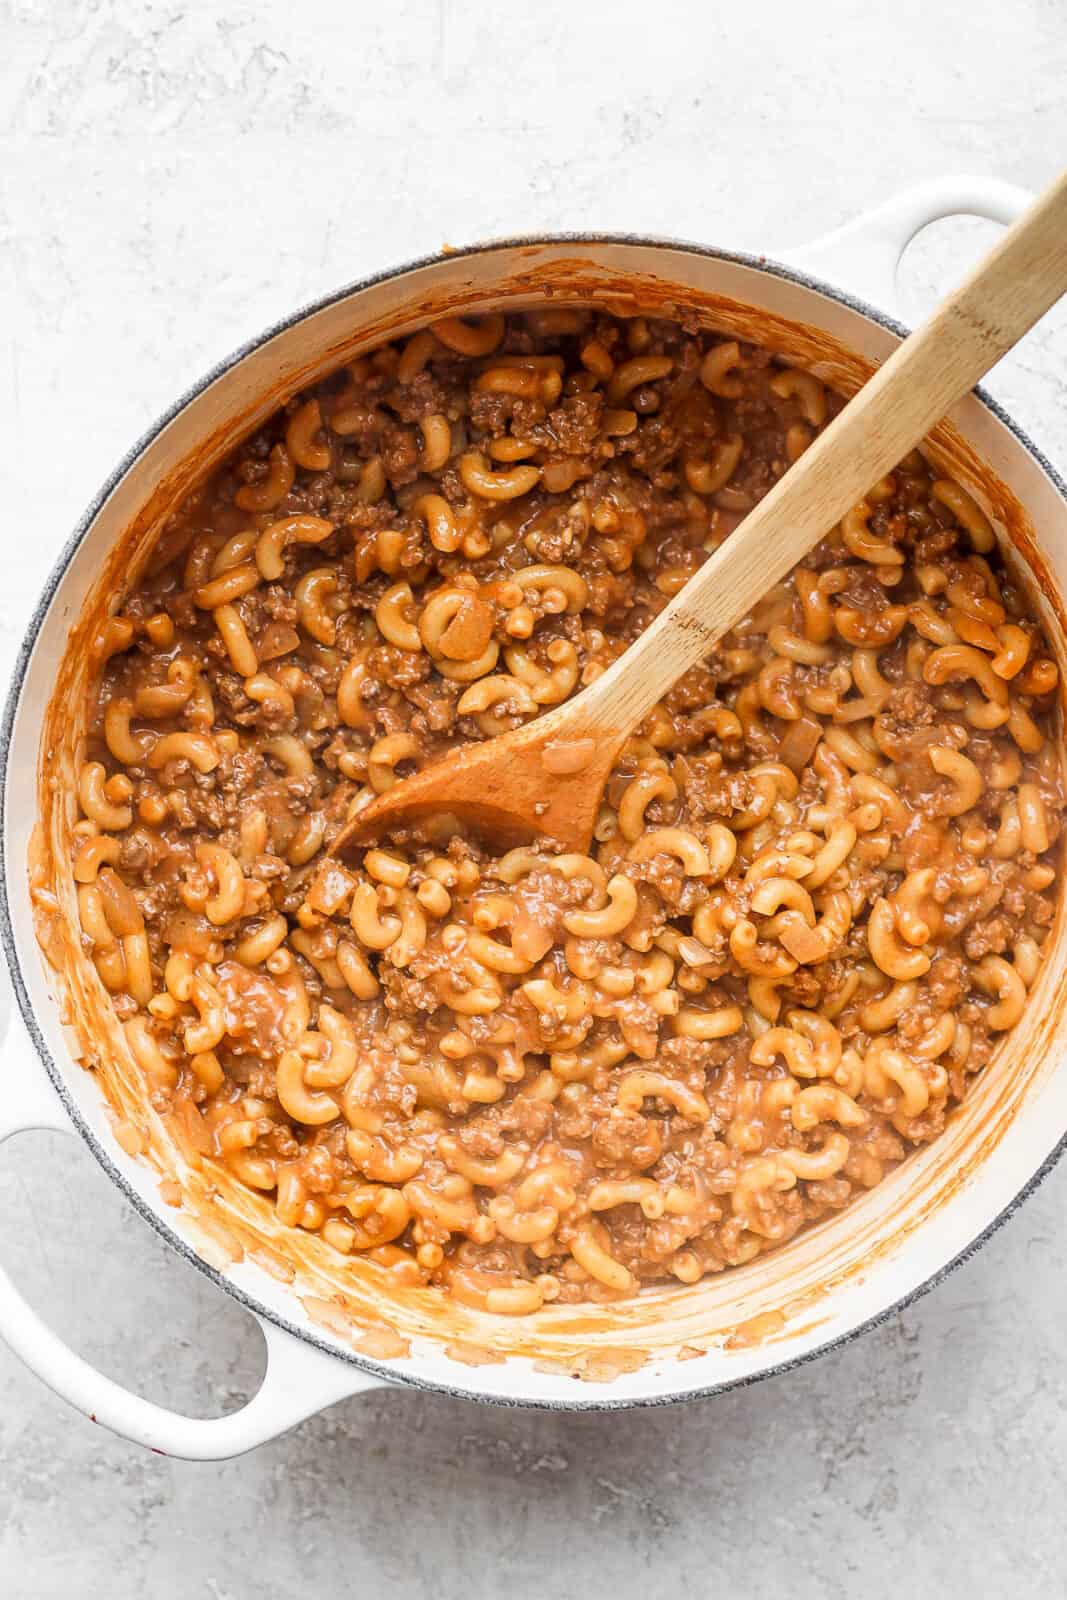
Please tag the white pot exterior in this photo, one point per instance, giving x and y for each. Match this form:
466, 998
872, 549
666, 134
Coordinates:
825, 1286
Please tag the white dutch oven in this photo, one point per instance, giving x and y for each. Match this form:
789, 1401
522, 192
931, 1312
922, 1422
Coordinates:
667, 1345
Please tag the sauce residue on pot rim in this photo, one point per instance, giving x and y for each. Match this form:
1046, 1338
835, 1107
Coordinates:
202, 1188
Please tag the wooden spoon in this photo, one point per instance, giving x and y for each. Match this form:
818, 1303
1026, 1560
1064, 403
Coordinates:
546, 778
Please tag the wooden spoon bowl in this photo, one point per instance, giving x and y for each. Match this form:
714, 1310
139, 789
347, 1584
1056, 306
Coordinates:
545, 780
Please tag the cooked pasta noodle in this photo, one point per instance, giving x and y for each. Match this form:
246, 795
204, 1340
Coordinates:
822, 872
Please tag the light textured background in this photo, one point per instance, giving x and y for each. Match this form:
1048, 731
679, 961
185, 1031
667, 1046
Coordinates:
172, 177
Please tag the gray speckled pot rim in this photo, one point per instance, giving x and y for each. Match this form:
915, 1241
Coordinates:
397, 1375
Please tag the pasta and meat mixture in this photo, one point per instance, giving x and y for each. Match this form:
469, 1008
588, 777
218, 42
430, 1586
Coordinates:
822, 872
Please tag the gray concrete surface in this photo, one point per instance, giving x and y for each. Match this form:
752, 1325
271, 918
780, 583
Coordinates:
172, 177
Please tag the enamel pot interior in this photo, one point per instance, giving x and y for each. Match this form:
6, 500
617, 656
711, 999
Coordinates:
666, 1343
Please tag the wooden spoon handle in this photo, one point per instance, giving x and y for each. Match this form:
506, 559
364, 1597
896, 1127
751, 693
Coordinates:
996, 305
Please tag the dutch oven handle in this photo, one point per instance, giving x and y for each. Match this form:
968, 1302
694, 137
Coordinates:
863, 256
299, 1380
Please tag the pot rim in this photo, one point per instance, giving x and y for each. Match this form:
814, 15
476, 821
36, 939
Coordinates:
597, 1401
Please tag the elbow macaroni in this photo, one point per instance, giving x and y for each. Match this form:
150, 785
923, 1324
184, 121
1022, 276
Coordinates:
822, 873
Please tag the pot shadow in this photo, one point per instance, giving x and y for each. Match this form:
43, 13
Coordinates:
831, 1465
827, 1464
